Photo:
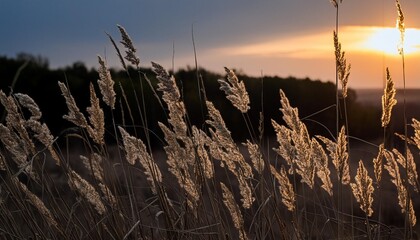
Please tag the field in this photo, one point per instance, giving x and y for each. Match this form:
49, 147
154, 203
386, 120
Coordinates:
104, 177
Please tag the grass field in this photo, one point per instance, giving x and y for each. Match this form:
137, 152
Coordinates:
203, 184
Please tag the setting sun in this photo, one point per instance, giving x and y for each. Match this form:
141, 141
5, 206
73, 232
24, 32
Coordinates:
386, 40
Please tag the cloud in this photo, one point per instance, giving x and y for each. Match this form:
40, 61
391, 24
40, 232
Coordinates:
313, 45
320, 44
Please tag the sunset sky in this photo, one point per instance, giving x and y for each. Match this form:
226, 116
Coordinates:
289, 37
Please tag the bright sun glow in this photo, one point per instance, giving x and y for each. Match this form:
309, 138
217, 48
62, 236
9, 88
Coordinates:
386, 40
354, 39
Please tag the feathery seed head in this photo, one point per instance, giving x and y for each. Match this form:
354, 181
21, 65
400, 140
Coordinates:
400, 27
286, 149
172, 97
378, 165
37, 203
410, 166
14, 145
321, 162
224, 148
180, 160
87, 191
245, 191
342, 156
14, 120
343, 70
286, 188
30, 104
234, 210
363, 189
200, 139
96, 117
2, 164
130, 49
338, 153
94, 164
41, 131
135, 149
393, 169
256, 156
388, 100
416, 137
106, 84
235, 91
74, 115
166, 84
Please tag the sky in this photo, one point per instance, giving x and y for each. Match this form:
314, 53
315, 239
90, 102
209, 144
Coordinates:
259, 38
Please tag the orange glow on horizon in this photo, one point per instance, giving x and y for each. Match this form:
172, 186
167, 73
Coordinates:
386, 40
369, 49
316, 45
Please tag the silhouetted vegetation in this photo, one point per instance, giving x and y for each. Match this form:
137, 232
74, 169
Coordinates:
313, 98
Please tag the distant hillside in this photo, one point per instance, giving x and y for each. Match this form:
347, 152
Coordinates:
372, 98
36, 79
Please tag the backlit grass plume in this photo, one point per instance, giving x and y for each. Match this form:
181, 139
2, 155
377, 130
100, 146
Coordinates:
130, 49
15, 121
234, 210
388, 99
295, 144
400, 27
39, 130
411, 169
200, 140
405, 203
16, 147
338, 153
363, 189
285, 149
256, 156
180, 150
37, 203
286, 189
96, 130
94, 164
235, 91
343, 70
2, 164
341, 158
223, 148
74, 115
87, 191
416, 137
136, 150
322, 169
172, 97
378, 165
106, 84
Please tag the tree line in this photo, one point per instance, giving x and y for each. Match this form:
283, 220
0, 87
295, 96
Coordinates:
315, 99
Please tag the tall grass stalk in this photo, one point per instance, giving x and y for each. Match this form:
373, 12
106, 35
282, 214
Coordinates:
336, 4
401, 27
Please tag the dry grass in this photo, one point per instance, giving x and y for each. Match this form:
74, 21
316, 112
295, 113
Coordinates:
206, 186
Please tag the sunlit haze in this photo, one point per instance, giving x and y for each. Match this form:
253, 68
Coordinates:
386, 40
